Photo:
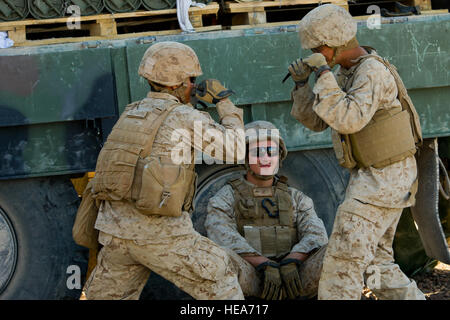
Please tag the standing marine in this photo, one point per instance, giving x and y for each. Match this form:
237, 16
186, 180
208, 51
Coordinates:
273, 235
375, 130
146, 192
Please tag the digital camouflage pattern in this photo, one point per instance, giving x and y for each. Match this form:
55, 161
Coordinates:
251, 283
363, 234
169, 63
327, 24
222, 228
360, 250
192, 262
166, 245
366, 88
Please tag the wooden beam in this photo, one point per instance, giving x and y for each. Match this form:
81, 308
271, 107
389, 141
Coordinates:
212, 8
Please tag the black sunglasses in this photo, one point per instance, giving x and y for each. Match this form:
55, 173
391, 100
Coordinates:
261, 151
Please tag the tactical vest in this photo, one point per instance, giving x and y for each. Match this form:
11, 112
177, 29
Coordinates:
265, 216
126, 171
390, 136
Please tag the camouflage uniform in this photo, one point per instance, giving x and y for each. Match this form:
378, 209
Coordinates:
366, 221
221, 227
135, 244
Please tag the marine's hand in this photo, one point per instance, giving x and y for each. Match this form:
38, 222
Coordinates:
290, 277
212, 91
315, 61
299, 72
272, 281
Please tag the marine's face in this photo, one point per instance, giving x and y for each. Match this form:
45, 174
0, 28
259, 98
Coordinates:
326, 51
263, 157
189, 85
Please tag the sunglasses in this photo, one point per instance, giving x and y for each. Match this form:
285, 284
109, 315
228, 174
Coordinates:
261, 151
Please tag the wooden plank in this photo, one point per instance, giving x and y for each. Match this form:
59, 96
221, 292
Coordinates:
114, 37
196, 20
231, 7
423, 4
103, 28
212, 8
266, 25
18, 34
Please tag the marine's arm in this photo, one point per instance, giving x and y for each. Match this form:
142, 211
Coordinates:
224, 141
349, 112
302, 108
310, 228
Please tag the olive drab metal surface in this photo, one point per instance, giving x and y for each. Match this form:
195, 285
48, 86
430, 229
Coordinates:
36, 88
46, 9
158, 4
88, 7
13, 10
115, 6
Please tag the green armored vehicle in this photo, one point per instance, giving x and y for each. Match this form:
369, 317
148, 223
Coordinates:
58, 104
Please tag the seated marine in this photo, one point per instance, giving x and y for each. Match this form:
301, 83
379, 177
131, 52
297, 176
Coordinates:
271, 231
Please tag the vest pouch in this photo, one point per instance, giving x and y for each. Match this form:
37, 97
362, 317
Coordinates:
285, 209
247, 208
83, 230
387, 139
342, 149
190, 196
164, 188
115, 171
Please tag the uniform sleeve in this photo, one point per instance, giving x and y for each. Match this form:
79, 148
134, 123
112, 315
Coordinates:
310, 228
302, 109
225, 141
349, 112
220, 223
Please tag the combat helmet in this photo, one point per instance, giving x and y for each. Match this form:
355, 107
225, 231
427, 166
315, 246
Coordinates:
169, 63
329, 25
264, 130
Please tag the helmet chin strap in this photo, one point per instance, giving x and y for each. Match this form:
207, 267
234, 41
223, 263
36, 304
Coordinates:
353, 43
178, 92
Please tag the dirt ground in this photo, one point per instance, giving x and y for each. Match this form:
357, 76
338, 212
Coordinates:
435, 284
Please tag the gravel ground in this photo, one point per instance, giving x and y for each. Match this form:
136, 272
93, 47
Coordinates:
435, 284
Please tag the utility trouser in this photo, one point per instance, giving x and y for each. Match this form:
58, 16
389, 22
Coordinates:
360, 251
252, 285
192, 262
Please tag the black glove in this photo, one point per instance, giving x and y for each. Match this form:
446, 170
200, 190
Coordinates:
212, 91
291, 277
272, 280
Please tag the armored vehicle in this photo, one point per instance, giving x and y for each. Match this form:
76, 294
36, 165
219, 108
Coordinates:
59, 102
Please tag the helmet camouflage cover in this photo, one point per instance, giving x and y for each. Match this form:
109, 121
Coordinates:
329, 25
263, 130
169, 63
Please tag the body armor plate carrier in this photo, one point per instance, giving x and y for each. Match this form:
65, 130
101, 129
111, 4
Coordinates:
126, 171
265, 216
391, 135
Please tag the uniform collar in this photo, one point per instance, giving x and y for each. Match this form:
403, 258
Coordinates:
349, 72
162, 95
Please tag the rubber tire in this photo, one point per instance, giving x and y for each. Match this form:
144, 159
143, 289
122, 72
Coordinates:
42, 212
